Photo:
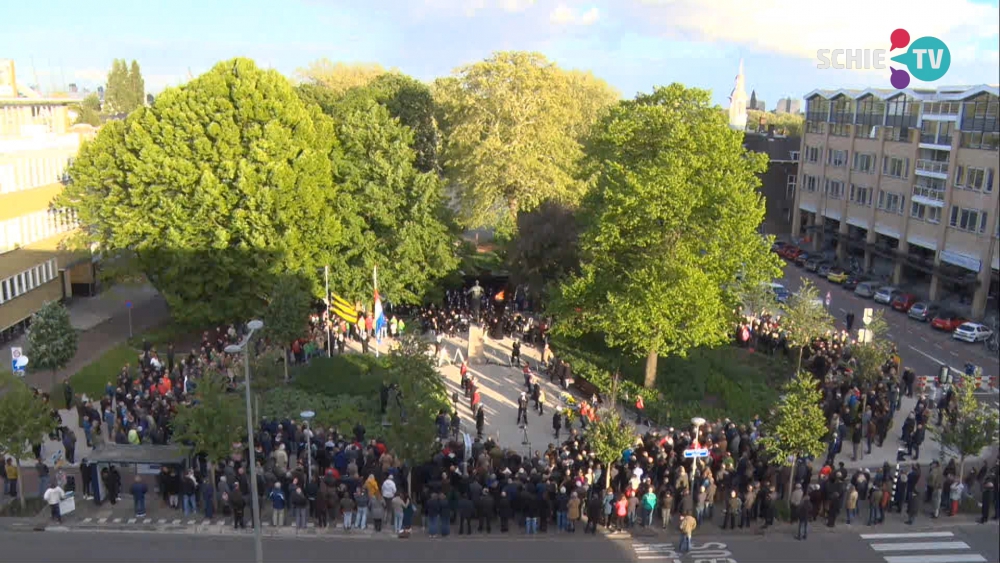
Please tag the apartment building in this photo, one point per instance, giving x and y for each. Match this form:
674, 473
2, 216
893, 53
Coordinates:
778, 181
37, 143
904, 183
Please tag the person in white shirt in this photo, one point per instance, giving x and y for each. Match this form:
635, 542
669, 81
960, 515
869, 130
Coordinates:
388, 490
54, 495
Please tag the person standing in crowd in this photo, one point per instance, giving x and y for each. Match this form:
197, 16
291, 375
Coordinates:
804, 513
687, 527
53, 496
138, 491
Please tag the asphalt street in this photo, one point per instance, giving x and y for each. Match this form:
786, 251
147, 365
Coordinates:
921, 543
921, 347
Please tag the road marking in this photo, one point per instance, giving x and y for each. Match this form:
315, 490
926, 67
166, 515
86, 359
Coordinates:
102, 520
907, 536
938, 346
190, 522
953, 353
116, 521
924, 338
953, 558
842, 310
889, 336
161, 521
926, 355
85, 520
147, 521
176, 521
131, 520
919, 546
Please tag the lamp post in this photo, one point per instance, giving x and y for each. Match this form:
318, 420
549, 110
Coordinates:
254, 326
307, 416
697, 422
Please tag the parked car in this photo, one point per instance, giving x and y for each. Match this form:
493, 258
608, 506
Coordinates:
781, 293
823, 270
948, 321
813, 263
801, 259
923, 312
852, 281
791, 252
972, 332
837, 275
778, 247
903, 301
866, 289
886, 294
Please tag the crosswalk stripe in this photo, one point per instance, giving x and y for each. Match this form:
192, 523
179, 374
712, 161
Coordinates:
951, 558
161, 521
643, 557
116, 521
907, 536
147, 521
920, 546
86, 520
131, 520
102, 520
176, 521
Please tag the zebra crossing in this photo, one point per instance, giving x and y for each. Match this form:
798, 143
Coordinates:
667, 552
922, 547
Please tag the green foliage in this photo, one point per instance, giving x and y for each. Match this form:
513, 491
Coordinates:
52, 339
798, 426
93, 377
789, 124
511, 127
24, 420
214, 421
671, 220
546, 247
756, 298
220, 188
609, 436
287, 312
708, 382
338, 77
409, 101
424, 396
332, 411
975, 425
870, 356
805, 318
125, 90
342, 374
89, 110
394, 216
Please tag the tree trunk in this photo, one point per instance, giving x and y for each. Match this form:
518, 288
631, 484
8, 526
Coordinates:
607, 475
20, 486
286, 364
788, 491
649, 380
799, 368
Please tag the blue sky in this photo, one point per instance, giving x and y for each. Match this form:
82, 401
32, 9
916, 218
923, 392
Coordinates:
633, 44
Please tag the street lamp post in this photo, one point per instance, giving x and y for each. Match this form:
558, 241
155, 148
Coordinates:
307, 416
254, 326
697, 422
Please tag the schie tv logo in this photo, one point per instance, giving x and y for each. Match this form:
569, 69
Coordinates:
927, 59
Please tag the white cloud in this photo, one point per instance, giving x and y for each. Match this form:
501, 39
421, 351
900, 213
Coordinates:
564, 15
782, 27
471, 8
516, 5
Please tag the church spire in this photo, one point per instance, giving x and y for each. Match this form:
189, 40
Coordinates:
738, 102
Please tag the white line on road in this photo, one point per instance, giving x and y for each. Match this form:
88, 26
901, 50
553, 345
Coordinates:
907, 536
176, 521
161, 521
86, 520
116, 521
147, 521
925, 354
889, 336
843, 310
102, 520
920, 546
953, 558
954, 353
131, 520
924, 338
645, 557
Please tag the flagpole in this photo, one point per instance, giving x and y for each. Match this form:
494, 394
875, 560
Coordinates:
329, 317
378, 335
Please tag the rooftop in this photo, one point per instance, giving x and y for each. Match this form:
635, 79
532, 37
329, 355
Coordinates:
942, 93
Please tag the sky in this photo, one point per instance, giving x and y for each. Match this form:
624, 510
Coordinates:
635, 45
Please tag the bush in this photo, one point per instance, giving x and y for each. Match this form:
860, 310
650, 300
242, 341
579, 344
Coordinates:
341, 411
709, 382
343, 374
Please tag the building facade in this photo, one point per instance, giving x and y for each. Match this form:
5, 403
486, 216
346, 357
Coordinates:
903, 184
788, 105
778, 181
37, 144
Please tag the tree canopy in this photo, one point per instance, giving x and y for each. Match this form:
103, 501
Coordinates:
286, 315
785, 123
89, 110
220, 187
214, 421
798, 426
805, 318
973, 426
126, 89
339, 77
52, 340
546, 248
512, 125
609, 436
671, 219
24, 420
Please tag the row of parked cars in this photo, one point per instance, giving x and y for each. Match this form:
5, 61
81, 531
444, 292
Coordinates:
940, 318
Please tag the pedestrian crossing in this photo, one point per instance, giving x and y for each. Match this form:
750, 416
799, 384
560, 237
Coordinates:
669, 552
922, 547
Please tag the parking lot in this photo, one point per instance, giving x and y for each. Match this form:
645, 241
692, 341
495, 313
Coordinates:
922, 348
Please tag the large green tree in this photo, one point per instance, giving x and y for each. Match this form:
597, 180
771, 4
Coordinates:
213, 421
805, 318
287, 314
411, 102
394, 216
671, 220
220, 188
511, 125
52, 340
89, 110
609, 436
869, 354
973, 427
24, 420
125, 90
546, 248
339, 77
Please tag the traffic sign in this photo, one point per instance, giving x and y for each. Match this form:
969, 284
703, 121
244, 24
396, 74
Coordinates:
696, 453
868, 314
15, 355
128, 304
828, 299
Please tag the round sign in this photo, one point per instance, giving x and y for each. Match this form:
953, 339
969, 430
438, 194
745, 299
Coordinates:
21, 362
15, 353
307, 414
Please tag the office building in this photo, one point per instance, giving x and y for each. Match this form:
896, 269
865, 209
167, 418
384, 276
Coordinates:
788, 105
903, 183
37, 143
755, 104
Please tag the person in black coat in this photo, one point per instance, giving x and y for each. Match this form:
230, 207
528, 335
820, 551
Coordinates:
505, 511
913, 508
466, 510
804, 514
556, 423
485, 508
989, 491
480, 421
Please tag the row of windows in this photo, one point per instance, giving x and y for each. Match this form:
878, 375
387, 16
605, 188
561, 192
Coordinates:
33, 172
975, 179
19, 284
34, 227
892, 166
978, 114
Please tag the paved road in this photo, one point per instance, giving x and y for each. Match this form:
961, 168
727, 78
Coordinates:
921, 347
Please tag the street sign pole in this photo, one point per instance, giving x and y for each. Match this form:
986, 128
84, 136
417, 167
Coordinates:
128, 306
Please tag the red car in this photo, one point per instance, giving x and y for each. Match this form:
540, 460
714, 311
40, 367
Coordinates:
948, 321
791, 252
903, 302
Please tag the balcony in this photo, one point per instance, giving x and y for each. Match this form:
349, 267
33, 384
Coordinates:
898, 135
931, 196
932, 168
935, 142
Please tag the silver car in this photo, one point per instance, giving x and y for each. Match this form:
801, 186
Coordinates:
886, 294
866, 289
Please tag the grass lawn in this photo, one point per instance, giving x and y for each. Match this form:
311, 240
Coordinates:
710, 382
91, 379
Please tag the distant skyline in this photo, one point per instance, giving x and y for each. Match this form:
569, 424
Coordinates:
633, 44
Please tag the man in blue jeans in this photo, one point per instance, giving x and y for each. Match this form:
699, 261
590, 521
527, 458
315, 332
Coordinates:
805, 512
139, 490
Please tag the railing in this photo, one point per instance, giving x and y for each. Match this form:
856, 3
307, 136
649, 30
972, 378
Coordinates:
942, 108
933, 166
929, 193
896, 135
936, 139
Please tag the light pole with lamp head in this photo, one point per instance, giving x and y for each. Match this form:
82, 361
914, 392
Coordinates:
254, 326
307, 416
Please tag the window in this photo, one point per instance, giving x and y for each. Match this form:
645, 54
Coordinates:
34, 227
861, 195
840, 129
793, 155
864, 162
983, 140
896, 167
816, 127
834, 189
971, 220
976, 179
812, 154
790, 187
929, 213
836, 158
21, 283
890, 202
809, 183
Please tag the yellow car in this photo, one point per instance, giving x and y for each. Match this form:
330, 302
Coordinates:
837, 275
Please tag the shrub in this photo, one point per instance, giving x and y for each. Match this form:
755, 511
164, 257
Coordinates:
345, 374
340, 411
